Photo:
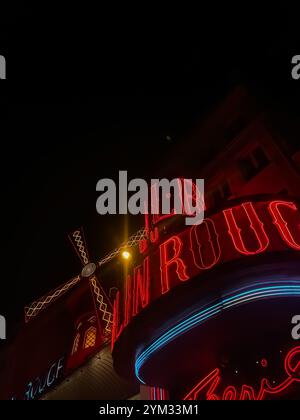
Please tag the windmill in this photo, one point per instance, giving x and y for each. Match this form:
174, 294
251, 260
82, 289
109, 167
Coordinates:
89, 272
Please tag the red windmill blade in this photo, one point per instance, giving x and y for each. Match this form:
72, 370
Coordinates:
43, 302
78, 241
102, 303
89, 271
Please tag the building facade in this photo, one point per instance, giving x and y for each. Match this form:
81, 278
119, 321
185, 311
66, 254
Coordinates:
205, 312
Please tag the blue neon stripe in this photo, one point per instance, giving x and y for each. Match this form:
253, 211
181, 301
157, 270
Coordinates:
196, 319
289, 289
222, 305
187, 325
215, 309
174, 332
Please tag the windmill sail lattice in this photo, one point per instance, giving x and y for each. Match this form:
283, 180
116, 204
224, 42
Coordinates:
35, 307
79, 243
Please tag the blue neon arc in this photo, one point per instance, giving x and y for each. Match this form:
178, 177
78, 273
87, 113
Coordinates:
288, 289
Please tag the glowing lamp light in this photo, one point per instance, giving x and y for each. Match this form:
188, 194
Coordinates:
126, 255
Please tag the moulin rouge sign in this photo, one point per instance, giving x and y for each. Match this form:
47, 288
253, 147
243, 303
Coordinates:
248, 229
209, 387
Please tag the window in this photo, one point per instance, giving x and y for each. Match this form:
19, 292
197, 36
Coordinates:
90, 337
253, 164
75, 344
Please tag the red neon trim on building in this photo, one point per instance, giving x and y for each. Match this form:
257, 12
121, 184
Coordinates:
199, 248
255, 225
281, 224
157, 217
156, 393
247, 393
264, 363
197, 199
229, 393
213, 379
166, 261
141, 295
128, 301
154, 235
117, 326
213, 242
143, 246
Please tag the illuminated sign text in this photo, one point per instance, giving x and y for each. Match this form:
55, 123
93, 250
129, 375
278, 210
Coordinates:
209, 387
246, 230
40, 384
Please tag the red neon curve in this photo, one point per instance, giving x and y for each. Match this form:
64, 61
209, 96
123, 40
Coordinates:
128, 301
256, 226
281, 224
117, 327
166, 262
141, 295
214, 245
213, 379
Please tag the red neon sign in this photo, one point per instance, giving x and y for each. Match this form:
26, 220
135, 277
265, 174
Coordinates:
117, 326
282, 224
141, 286
213, 244
240, 232
256, 227
207, 388
174, 245
193, 199
129, 301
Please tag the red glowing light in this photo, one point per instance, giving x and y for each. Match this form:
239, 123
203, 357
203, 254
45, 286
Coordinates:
207, 387
224, 237
156, 216
128, 301
282, 224
157, 393
154, 235
255, 225
230, 393
117, 327
264, 363
175, 244
213, 243
211, 381
141, 286
192, 197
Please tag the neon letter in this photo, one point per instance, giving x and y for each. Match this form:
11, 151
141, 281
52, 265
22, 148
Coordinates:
175, 244
256, 226
141, 286
128, 301
282, 224
213, 244
117, 327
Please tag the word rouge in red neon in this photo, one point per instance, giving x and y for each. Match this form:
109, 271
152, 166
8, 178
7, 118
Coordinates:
207, 388
244, 230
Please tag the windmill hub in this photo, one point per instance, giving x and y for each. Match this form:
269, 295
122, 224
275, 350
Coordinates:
88, 270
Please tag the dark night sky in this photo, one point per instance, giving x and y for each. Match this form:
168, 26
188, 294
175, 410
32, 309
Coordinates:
88, 98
